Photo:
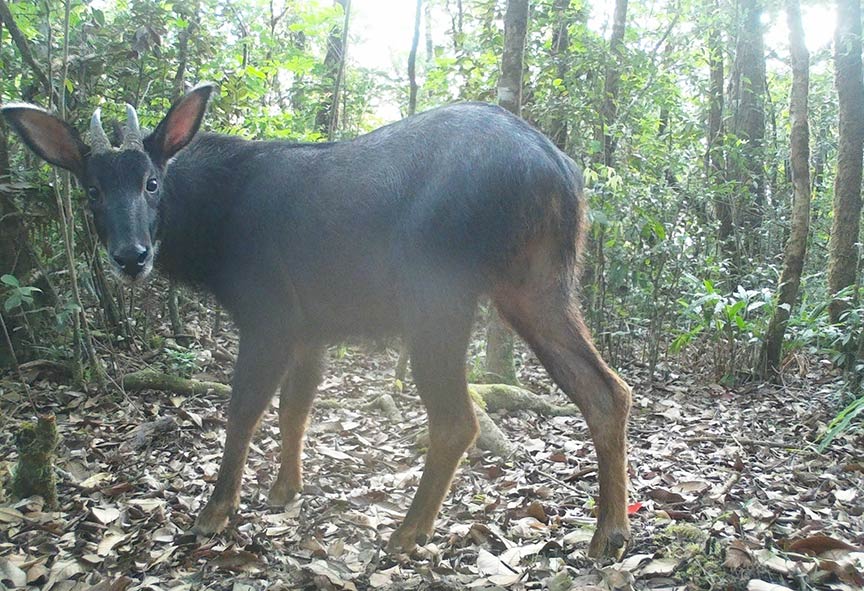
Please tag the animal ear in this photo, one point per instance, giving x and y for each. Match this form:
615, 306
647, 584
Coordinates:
53, 139
179, 126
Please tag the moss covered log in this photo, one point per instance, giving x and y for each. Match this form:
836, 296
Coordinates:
153, 380
34, 474
495, 397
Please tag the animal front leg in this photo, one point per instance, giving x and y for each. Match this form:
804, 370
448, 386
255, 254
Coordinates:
261, 364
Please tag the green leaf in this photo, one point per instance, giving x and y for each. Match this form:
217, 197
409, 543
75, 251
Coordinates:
10, 280
12, 302
756, 305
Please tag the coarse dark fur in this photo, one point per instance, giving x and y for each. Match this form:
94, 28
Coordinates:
336, 235
398, 231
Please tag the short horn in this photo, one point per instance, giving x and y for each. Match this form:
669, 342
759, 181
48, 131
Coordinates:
99, 141
132, 140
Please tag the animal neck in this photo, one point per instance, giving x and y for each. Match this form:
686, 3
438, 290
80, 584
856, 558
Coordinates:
192, 213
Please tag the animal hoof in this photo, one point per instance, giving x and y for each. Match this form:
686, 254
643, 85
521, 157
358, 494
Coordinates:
280, 495
406, 539
212, 520
401, 542
611, 543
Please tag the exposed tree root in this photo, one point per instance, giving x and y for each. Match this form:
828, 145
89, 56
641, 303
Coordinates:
491, 438
497, 397
145, 433
386, 405
488, 397
149, 379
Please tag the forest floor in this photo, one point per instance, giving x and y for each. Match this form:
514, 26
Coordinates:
728, 490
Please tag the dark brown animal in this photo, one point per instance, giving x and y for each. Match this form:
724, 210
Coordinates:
398, 231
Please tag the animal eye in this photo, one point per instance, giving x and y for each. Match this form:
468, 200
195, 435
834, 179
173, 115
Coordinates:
93, 193
152, 185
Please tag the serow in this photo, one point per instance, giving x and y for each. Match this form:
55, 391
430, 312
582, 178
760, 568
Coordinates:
399, 231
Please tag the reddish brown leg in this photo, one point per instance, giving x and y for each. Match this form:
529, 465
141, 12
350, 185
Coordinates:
260, 367
438, 348
551, 324
295, 401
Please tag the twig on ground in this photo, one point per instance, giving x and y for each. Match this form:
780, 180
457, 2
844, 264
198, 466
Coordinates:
744, 441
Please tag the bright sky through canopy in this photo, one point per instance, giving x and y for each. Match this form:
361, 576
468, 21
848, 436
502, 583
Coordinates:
381, 29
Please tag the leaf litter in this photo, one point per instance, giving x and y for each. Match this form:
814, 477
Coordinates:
727, 491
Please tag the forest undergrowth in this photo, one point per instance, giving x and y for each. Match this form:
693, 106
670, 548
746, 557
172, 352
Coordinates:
728, 488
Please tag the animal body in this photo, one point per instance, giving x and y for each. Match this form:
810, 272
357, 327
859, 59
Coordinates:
398, 231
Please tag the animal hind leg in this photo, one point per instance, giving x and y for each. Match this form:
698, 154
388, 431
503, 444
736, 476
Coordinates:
295, 402
550, 322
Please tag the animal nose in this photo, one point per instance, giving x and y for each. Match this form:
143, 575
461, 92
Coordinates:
132, 259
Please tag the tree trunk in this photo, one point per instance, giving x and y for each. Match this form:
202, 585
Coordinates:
327, 117
499, 339
17, 256
843, 257
456, 25
178, 90
715, 157
178, 84
560, 45
609, 111
595, 269
799, 150
412, 61
402, 363
14, 259
24, 49
747, 95
510, 81
430, 47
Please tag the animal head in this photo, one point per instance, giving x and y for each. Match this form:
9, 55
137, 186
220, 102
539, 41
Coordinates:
123, 184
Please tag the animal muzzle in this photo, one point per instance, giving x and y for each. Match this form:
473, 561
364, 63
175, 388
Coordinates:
133, 261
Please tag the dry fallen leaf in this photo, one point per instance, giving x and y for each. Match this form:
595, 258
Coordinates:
660, 567
616, 579
105, 515
737, 556
10, 515
844, 571
236, 560
12, 574
96, 480
690, 487
488, 564
380, 581
661, 495
61, 571
757, 585
819, 544
109, 540
846, 495
535, 510
631, 563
